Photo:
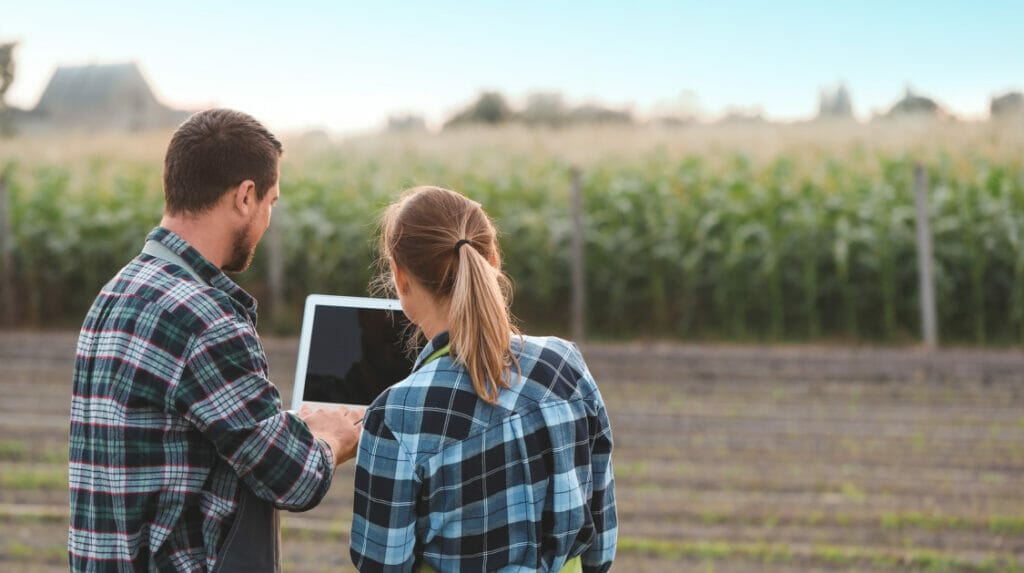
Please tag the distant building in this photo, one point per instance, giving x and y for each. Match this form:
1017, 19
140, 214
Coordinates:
107, 97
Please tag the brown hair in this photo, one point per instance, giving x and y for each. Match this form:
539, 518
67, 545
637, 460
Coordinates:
213, 151
448, 244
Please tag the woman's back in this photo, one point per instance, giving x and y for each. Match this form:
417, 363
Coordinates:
448, 480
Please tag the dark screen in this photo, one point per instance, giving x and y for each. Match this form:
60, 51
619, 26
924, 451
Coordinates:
355, 354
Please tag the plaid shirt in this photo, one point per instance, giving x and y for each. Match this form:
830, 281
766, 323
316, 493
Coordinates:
447, 480
171, 411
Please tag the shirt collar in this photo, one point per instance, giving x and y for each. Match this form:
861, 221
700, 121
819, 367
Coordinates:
438, 342
204, 268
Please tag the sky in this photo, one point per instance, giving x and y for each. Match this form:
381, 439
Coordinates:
347, 65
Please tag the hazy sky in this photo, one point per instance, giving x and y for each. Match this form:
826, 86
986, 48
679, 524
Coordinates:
348, 65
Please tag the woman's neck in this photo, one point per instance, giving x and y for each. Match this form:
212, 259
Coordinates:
433, 325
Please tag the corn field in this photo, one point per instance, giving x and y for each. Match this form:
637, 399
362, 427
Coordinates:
721, 244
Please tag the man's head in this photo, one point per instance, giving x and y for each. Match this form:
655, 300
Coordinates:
224, 162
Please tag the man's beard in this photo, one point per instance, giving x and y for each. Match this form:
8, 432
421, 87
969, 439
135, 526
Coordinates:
241, 251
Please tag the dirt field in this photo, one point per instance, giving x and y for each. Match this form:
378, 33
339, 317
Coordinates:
727, 459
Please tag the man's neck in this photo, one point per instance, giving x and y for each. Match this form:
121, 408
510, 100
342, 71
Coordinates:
205, 237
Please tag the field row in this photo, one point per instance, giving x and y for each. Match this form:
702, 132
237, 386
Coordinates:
717, 471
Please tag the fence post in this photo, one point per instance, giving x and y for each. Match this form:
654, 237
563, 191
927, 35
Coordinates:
578, 291
6, 257
275, 269
929, 327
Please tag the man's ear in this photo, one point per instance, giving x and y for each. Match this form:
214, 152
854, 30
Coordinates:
244, 197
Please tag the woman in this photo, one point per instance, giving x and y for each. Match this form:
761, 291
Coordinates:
495, 453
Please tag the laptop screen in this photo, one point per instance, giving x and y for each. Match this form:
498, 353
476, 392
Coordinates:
354, 354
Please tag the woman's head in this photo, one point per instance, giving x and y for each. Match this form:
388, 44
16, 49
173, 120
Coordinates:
442, 252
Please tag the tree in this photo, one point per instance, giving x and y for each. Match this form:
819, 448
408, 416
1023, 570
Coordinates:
1006, 105
406, 122
684, 109
835, 104
6, 79
489, 109
593, 113
914, 104
545, 108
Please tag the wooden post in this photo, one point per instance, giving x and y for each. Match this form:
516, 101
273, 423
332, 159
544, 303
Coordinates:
7, 299
929, 328
578, 290
275, 268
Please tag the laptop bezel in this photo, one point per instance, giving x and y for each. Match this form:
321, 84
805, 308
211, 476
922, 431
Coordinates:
308, 316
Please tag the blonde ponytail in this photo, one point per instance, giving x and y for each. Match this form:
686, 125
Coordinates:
449, 245
480, 329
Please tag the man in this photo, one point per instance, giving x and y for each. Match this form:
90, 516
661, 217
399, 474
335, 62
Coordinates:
180, 453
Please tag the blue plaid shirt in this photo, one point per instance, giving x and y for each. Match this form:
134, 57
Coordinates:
448, 480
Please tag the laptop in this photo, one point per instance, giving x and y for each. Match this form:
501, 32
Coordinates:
351, 350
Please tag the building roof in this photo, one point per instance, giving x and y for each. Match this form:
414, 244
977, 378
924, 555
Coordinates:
102, 97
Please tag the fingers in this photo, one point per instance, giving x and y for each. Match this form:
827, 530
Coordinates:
353, 413
320, 416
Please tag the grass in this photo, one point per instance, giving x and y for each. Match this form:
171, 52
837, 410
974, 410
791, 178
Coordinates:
58, 455
853, 492
631, 470
820, 555
745, 532
993, 478
714, 518
891, 521
25, 553
997, 524
35, 479
18, 451
918, 442
1006, 525
709, 551
13, 450
761, 552
23, 518
308, 529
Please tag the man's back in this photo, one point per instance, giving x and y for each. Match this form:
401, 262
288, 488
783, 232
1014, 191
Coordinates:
171, 404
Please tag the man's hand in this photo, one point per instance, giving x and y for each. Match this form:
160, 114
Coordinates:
340, 427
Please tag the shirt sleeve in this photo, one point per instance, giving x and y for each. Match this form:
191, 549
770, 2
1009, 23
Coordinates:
226, 395
383, 535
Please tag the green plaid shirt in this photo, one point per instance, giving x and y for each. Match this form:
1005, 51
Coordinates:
172, 412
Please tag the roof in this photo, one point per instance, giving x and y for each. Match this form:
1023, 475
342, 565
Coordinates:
102, 96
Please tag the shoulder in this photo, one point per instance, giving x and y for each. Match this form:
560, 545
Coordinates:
433, 407
554, 366
161, 290
437, 405
549, 348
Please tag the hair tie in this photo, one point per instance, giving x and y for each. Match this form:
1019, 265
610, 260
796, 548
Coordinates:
459, 243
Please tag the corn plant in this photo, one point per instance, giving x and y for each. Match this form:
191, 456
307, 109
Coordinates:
798, 247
